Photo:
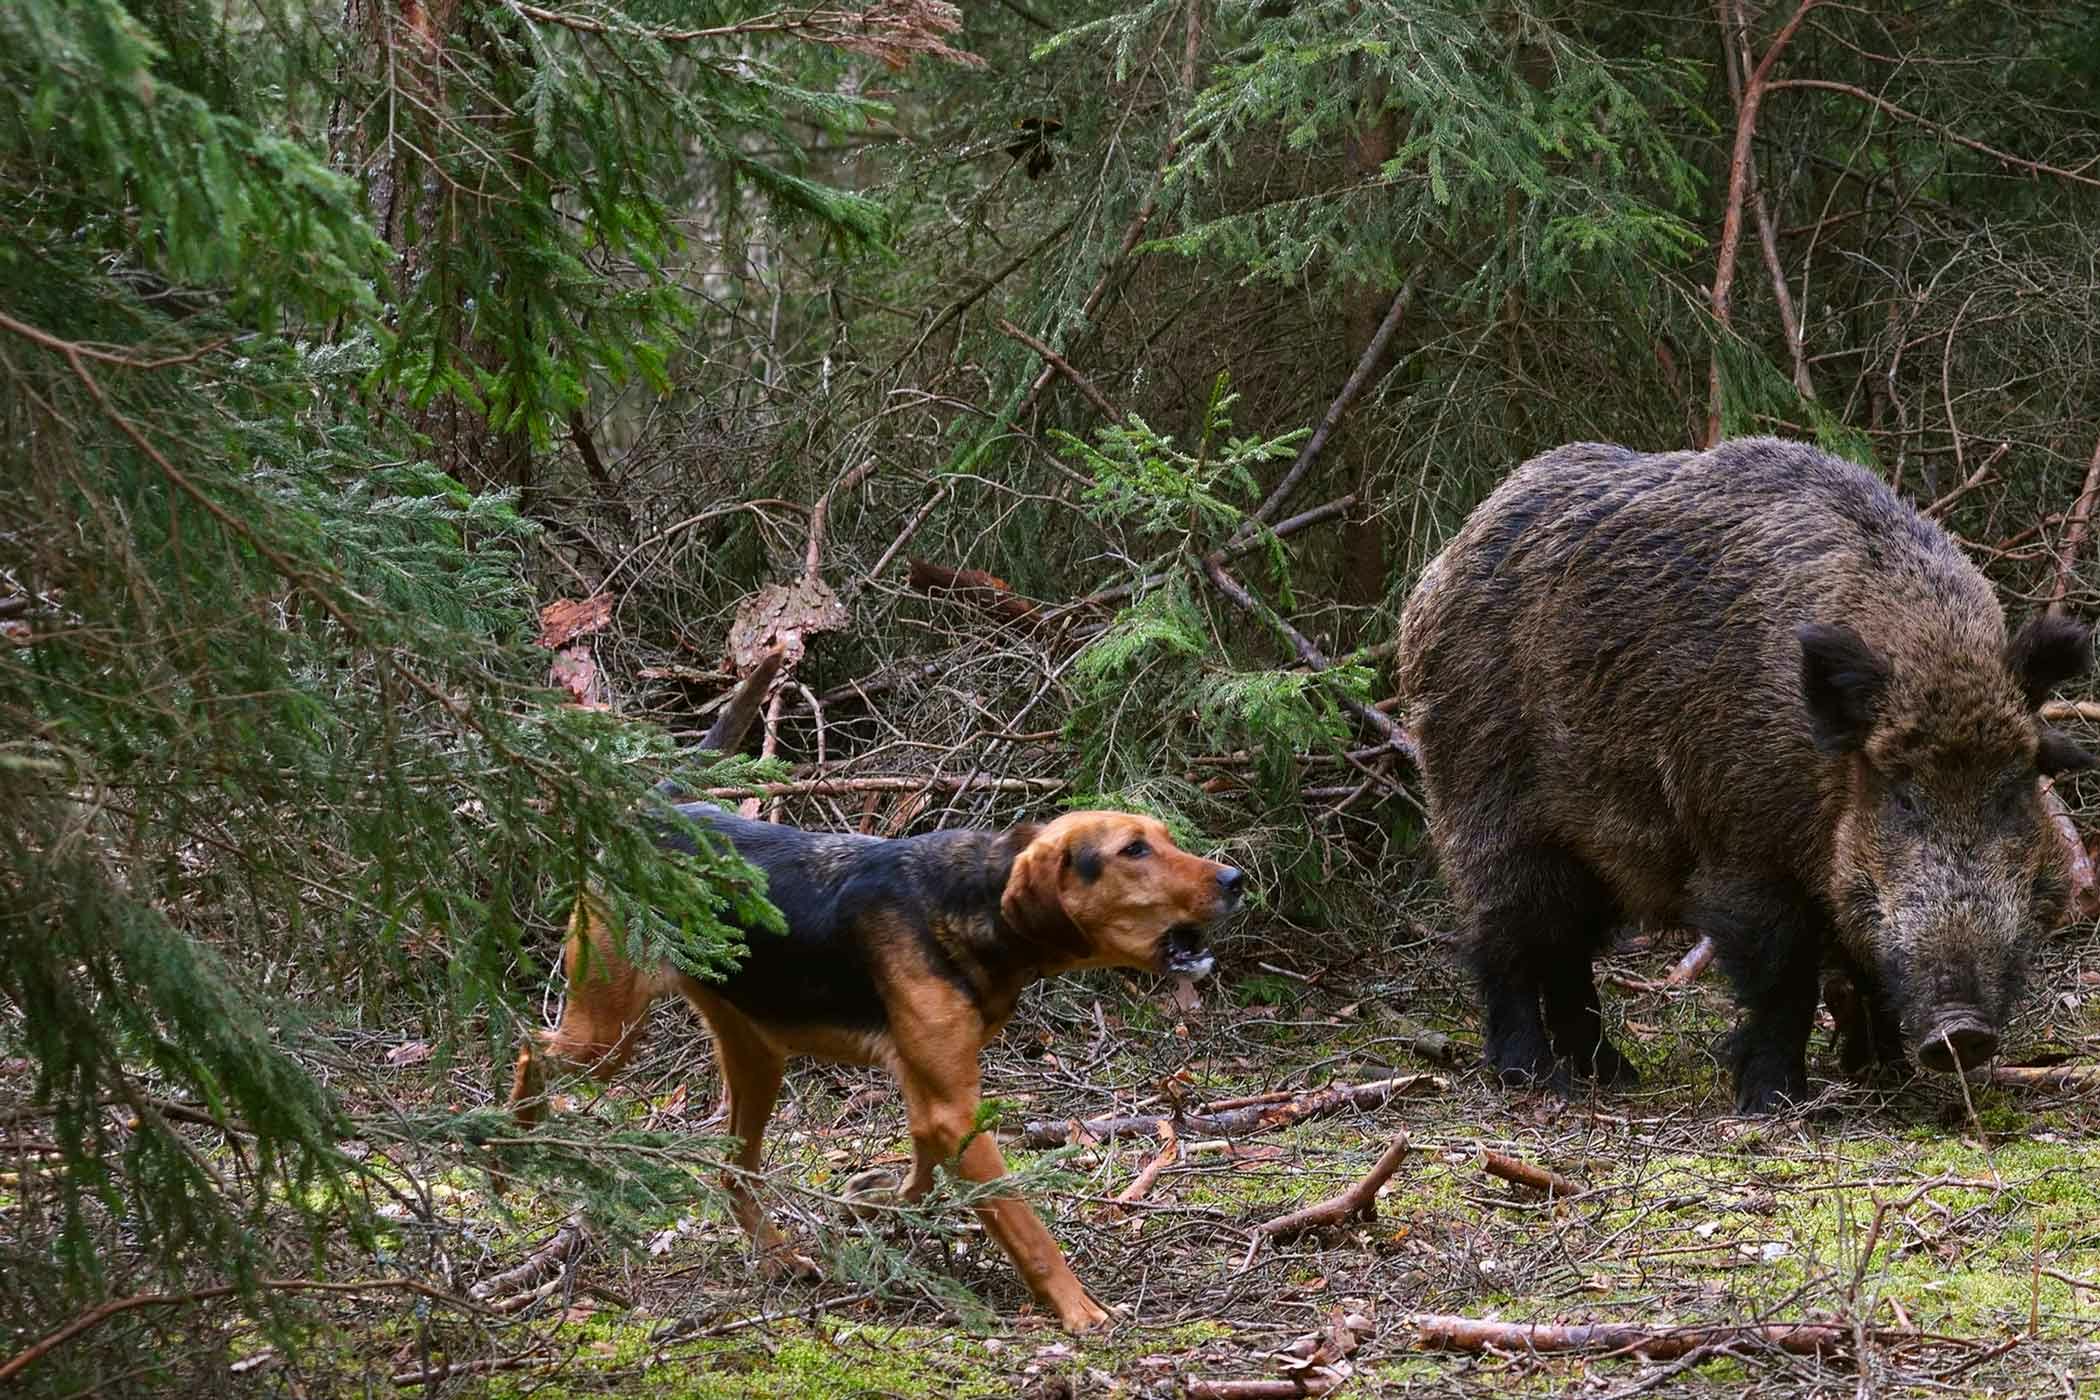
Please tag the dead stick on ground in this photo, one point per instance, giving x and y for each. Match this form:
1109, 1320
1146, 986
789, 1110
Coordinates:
96, 1316
1169, 1153
1197, 1389
1238, 1122
1444, 1332
1525, 1174
1359, 1200
1692, 965
549, 1258
2044, 1076
839, 787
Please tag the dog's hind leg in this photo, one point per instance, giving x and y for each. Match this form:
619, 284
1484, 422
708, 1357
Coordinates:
751, 1073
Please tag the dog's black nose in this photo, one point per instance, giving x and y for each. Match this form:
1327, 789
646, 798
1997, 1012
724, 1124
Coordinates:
1231, 880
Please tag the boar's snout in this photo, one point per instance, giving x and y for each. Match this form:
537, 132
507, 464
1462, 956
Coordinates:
1959, 1039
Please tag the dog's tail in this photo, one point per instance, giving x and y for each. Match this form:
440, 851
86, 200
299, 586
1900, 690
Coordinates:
604, 1017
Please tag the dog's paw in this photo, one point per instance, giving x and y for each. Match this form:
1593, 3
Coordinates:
784, 1262
1083, 1315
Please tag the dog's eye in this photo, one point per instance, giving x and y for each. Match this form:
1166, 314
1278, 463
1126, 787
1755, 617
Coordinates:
1137, 850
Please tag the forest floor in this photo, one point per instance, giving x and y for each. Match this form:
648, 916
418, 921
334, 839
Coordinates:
1953, 1237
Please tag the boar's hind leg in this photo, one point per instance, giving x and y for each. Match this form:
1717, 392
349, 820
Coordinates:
1534, 935
1769, 940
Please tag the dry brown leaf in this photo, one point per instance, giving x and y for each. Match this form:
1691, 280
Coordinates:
412, 1052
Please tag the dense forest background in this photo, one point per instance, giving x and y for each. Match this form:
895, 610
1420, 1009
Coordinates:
417, 415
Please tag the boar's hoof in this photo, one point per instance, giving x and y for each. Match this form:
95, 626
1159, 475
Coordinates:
1765, 1081
1959, 1040
1610, 1068
1548, 1077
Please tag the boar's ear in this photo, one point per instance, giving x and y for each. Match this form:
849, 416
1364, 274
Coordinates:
2058, 754
1841, 679
2048, 651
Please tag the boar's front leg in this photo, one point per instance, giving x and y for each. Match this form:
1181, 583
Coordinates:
1769, 938
1535, 930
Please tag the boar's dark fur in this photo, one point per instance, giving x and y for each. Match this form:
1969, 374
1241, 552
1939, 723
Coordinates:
1751, 691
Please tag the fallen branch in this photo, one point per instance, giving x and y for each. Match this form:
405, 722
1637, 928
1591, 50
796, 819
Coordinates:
2085, 883
2044, 1076
1315, 1364
1063, 366
512, 1289
726, 734
2075, 528
116, 1307
1330, 420
1692, 965
1360, 1201
1445, 1332
1169, 1154
2057, 711
1237, 1122
1525, 1174
1395, 736
1198, 1389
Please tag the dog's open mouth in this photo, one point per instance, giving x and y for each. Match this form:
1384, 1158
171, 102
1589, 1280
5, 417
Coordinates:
1184, 952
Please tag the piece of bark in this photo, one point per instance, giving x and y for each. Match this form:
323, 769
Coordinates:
1526, 1174
1445, 1332
1359, 1201
1237, 1122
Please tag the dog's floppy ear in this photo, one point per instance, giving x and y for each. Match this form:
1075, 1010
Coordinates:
1033, 903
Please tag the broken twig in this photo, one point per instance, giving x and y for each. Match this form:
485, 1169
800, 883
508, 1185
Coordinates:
1237, 1122
1525, 1174
1360, 1201
1444, 1332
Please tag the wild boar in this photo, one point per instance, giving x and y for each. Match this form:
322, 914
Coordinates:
1752, 691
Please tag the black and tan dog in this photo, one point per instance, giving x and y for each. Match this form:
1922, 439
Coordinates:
908, 954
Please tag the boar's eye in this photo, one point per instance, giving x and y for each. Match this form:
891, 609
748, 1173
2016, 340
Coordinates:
1137, 849
1904, 798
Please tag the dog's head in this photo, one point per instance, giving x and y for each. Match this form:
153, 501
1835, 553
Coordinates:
1111, 889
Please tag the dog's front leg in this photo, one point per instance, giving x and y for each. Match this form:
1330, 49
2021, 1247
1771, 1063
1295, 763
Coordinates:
942, 1116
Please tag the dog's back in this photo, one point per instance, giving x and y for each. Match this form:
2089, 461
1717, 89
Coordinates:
839, 894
